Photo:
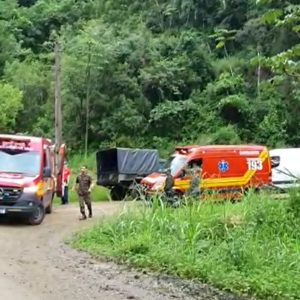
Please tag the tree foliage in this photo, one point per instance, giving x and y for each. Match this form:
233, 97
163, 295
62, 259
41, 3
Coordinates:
153, 73
10, 105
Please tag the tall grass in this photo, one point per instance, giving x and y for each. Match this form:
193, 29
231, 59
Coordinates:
77, 160
249, 248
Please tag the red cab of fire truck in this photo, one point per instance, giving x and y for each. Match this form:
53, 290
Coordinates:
28, 182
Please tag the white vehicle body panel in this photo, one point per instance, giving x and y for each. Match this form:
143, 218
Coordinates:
285, 175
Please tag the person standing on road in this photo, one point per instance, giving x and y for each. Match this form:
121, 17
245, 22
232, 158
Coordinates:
169, 183
66, 180
83, 186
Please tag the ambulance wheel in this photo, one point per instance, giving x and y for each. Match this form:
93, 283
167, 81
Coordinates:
257, 191
247, 190
37, 217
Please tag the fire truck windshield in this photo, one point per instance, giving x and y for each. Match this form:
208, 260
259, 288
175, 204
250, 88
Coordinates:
20, 162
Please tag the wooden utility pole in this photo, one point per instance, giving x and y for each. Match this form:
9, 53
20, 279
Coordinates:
88, 93
58, 114
258, 70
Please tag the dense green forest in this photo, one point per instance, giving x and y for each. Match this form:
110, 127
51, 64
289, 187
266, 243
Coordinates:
153, 72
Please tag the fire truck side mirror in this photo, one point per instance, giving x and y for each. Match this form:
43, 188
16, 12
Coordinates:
47, 172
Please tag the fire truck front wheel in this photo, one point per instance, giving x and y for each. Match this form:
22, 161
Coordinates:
37, 217
49, 208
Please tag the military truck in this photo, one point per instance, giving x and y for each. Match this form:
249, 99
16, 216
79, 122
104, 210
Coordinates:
122, 169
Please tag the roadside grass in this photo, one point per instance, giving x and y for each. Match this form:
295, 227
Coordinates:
250, 248
99, 193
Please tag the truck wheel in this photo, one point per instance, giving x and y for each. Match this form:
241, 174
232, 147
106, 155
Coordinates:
134, 194
118, 193
135, 191
38, 216
49, 209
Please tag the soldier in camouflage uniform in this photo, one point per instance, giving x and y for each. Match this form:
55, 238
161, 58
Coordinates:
194, 188
169, 183
83, 187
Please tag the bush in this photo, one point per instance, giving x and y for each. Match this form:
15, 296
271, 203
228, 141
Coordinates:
249, 248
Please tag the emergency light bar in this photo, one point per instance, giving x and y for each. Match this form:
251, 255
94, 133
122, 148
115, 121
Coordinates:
185, 150
181, 150
11, 139
14, 143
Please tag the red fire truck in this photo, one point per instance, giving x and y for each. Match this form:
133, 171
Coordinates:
28, 180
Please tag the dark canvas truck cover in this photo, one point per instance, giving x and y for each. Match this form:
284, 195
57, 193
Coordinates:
117, 164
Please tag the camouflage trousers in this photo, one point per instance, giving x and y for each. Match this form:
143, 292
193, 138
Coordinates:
85, 200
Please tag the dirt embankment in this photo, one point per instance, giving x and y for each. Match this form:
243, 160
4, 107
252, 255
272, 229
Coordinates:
36, 265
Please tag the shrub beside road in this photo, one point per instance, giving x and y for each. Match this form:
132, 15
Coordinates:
249, 248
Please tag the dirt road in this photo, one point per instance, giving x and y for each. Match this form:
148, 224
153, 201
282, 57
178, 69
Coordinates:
36, 265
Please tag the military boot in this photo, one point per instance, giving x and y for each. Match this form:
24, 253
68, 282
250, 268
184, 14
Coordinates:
90, 211
83, 217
